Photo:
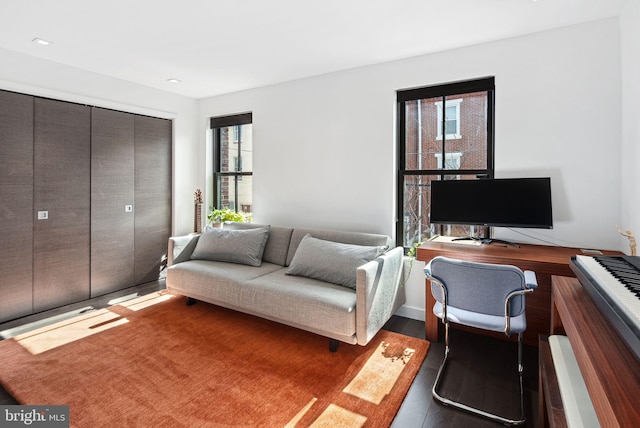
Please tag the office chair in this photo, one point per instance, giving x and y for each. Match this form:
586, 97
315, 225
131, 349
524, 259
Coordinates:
485, 296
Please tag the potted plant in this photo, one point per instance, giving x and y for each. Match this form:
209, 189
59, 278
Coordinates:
217, 216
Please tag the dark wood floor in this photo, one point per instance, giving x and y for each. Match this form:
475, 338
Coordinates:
482, 372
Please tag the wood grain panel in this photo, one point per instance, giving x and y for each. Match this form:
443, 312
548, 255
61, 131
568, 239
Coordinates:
609, 368
16, 205
61, 244
112, 183
153, 150
544, 260
550, 407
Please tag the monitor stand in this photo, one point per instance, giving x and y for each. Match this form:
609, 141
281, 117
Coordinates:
487, 241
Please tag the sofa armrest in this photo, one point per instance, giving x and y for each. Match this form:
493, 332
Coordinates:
180, 248
379, 293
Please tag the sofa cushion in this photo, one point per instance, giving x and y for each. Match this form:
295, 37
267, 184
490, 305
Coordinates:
214, 281
355, 238
330, 261
301, 301
275, 251
235, 246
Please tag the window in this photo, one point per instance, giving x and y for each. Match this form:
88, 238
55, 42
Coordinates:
233, 162
452, 160
451, 120
464, 151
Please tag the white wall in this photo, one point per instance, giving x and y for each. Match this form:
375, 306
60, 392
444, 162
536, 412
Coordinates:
30, 75
630, 53
325, 146
322, 157
325, 150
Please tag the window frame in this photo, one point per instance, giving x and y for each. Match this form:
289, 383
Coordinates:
485, 84
216, 123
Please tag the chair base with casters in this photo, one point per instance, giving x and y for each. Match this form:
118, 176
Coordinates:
456, 286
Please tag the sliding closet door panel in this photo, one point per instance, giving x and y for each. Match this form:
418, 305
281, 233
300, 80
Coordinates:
112, 201
62, 195
153, 196
16, 205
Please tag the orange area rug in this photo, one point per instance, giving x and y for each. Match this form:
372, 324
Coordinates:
155, 362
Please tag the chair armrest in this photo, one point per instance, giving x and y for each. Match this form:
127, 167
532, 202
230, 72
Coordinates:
530, 284
180, 248
530, 279
378, 293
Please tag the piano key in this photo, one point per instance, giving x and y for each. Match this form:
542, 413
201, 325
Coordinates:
625, 299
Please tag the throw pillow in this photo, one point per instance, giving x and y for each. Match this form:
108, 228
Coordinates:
236, 246
330, 261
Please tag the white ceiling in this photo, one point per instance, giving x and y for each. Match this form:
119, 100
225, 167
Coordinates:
216, 47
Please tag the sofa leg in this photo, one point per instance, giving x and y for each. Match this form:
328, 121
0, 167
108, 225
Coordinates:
191, 301
333, 345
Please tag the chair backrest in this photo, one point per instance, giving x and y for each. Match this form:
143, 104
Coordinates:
478, 287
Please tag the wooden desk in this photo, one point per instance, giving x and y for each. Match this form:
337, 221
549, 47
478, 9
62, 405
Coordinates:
544, 260
609, 369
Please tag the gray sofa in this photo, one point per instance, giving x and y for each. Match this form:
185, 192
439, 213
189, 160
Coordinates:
297, 280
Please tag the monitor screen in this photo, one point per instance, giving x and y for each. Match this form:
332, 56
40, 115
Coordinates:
506, 202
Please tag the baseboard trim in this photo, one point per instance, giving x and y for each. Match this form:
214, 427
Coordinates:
411, 312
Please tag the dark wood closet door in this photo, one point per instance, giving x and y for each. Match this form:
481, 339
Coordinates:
152, 194
61, 242
112, 201
16, 205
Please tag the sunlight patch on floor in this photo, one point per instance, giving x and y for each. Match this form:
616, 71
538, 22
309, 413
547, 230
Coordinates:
119, 300
381, 371
25, 328
292, 423
336, 416
62, 329
67, 331
146, 301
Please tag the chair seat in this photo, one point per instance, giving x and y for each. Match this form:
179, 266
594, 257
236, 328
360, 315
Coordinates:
518, 323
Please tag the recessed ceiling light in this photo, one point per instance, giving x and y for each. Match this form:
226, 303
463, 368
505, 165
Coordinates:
42, 42
174, 80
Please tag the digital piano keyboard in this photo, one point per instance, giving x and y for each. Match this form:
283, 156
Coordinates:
613, 282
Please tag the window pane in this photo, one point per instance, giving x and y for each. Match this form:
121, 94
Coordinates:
421, 134
236, 148
457, 230
417, 206
465, 132
416, 209
451, 126
472, 141
451, 113
235, 193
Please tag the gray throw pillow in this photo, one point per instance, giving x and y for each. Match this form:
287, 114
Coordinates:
236, 246
330, 261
